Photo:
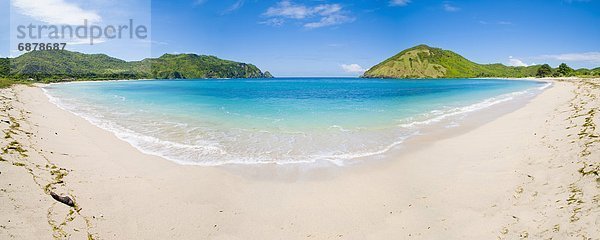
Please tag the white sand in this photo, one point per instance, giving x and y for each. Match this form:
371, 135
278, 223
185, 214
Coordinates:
516, 176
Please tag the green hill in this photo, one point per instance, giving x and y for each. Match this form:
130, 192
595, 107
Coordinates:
66, 64
426, 62
200, 66
58, 64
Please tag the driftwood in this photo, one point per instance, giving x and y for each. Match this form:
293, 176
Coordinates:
63, 199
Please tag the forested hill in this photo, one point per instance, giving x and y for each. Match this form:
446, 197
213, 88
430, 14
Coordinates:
61, 64
200, 66
423, 61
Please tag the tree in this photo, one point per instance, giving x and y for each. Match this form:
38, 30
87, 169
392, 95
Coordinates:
4, 67
544, 71
565, 70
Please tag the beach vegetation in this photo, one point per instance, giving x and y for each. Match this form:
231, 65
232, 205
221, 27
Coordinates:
544, 71
14, 124
59, 174
18, 164
583, 72
5, 82
15, 146
4, 67
564, 70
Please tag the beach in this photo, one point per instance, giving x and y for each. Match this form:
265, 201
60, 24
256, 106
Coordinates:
529, 173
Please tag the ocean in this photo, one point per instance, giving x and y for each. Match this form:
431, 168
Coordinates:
282, 120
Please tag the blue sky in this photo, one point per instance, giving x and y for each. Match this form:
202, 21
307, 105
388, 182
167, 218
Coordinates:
339, 37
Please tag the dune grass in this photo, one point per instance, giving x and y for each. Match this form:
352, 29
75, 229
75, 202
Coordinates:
5, 82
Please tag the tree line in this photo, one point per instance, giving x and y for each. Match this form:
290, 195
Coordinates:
563, 70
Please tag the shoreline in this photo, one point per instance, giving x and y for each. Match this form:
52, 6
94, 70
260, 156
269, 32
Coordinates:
516, 175
512, 100
183, 79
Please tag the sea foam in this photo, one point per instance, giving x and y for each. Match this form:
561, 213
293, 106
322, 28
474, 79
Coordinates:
274, 128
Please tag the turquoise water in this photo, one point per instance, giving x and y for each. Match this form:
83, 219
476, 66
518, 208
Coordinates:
289, 120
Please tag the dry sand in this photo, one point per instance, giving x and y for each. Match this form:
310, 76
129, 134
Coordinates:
531, 173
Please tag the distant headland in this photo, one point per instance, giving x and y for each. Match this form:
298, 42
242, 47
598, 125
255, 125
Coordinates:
423, 61
57, 65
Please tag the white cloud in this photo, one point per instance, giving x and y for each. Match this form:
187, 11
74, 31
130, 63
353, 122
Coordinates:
516, 62
353, 68
450, 8
57, 12
318, 16
289, 10
235, 6
329, 20
399, 2
275, 22
593, 57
